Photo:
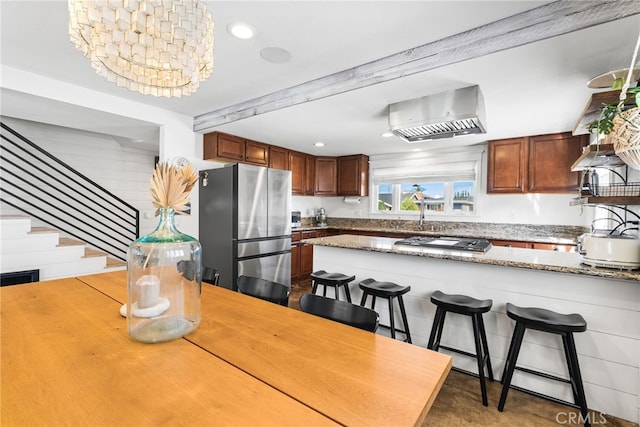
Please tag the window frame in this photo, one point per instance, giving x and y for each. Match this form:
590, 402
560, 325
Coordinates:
448, 201
461, 164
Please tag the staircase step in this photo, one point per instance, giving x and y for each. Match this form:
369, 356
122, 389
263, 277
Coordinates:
36, 230
66, 241
114, 263
25, 248
14, 226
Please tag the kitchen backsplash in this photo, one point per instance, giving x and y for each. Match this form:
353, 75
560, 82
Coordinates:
472, 229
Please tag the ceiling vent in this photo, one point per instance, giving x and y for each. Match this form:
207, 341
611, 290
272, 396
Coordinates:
442, 115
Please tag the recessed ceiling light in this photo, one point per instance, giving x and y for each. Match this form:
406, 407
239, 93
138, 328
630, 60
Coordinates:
277, 55
241, 30
387, 134
319, 144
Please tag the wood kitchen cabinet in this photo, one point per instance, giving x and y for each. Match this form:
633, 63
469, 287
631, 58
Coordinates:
295, 255
309, 174
256, 153
507, 165
511, 244
534, 245
222, 146
534, 164
302, 253
554, 247
278, 158
353, 175
326, 176
297, 168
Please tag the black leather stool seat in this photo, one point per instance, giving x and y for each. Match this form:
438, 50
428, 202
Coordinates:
461, 304
468, 306
388, 291
335, 280
546, 321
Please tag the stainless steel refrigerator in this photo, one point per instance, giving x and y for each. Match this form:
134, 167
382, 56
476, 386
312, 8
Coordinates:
245, 223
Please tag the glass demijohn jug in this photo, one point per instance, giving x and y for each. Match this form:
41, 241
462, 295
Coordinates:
164, 268
164, 283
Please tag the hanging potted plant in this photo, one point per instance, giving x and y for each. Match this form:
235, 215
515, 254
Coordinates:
621, 122
622, 112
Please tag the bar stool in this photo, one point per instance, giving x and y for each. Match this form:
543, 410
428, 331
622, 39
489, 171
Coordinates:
335, 280
388, 291
546, 321
462, 304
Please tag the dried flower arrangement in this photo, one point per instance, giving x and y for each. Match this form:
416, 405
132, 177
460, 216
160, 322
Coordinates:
171, 185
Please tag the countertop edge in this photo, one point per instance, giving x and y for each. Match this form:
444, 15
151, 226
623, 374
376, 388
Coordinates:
561, 262
515, 238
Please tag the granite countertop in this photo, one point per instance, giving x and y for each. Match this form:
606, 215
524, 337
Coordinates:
561, 235
563, 262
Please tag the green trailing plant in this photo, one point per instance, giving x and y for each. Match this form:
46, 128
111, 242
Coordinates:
604, 124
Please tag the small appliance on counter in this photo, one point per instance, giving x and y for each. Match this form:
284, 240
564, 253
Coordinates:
618, 251
296, 219
321, 218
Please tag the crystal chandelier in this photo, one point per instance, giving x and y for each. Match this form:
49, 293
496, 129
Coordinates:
156, 47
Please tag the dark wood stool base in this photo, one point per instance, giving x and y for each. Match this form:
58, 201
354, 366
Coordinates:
546, 321
388, 291
474, 308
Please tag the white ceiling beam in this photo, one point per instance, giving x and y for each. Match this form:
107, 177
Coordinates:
550, 20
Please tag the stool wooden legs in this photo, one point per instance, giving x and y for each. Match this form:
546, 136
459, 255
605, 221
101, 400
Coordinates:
392, 326
571, 356
510, 363
336, 289
575, 375
480, 338
436, 330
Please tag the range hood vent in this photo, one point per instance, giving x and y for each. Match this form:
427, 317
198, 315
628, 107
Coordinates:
442, 115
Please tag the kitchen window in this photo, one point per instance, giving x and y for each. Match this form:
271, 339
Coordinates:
440, 198
446, 185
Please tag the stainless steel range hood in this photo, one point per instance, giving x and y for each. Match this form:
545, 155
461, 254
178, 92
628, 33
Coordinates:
442, 115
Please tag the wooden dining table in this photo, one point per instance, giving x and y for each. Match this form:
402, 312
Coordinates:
66, 359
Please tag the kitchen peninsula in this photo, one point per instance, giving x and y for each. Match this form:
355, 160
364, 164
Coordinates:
608, 299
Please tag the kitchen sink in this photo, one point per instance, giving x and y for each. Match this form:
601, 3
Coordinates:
453, 243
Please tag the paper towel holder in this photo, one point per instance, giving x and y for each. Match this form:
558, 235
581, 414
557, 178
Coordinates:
351, 200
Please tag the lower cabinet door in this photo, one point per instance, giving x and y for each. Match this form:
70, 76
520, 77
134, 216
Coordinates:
295, 262
306, 260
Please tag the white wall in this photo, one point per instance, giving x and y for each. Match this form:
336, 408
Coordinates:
124, 171
176, 130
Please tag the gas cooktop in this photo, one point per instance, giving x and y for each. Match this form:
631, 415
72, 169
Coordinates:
453, 243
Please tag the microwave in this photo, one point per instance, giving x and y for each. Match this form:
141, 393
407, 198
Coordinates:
296, 219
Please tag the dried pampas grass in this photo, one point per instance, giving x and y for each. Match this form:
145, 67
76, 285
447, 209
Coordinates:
171, 185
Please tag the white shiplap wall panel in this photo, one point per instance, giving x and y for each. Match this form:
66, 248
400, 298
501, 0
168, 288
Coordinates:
124, 171
608, 350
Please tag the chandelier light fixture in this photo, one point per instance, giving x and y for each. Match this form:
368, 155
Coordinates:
155, 47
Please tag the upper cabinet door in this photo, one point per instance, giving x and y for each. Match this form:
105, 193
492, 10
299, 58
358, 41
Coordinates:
309, 174
278, 158
230, 147
326, 174
534, 164
550, 161
256, 153
353, 175
296, 165
507, 163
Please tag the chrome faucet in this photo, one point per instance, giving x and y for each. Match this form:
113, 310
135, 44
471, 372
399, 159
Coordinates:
421, 222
